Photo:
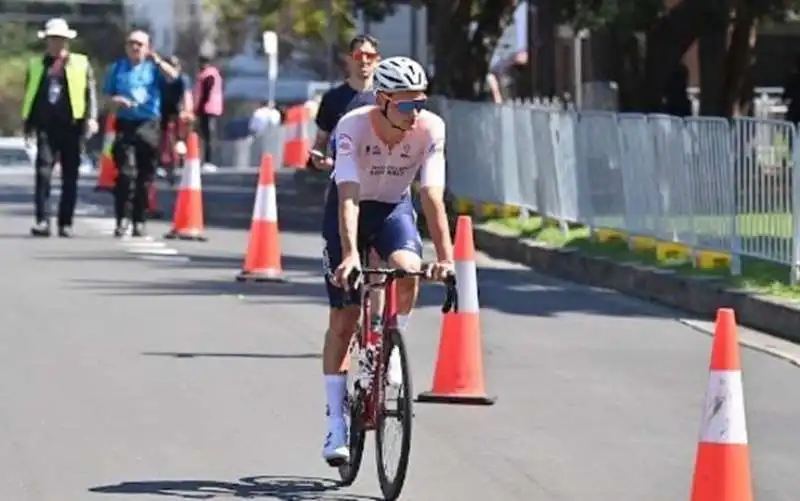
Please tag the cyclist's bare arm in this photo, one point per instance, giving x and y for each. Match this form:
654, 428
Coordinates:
432, 184
348, 216
433, 206
348, 186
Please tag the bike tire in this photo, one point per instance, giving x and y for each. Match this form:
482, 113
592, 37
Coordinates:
391, 487
356, 431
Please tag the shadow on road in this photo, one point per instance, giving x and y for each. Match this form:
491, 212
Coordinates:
283, 488
269, 356
510, 291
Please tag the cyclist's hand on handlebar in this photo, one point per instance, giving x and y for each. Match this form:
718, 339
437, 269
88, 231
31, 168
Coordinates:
342, 275
440, 271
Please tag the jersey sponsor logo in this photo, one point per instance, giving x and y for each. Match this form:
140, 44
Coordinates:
406, 150
344, 144
389, 170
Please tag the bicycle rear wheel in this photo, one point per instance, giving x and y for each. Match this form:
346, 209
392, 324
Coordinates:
392, 476
355, 416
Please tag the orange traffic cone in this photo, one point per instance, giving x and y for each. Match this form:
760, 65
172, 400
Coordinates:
187, 222
722, 466
107, 178
458, 378
262, 263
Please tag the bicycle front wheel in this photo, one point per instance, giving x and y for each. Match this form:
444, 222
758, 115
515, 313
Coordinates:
395, 407
355, 418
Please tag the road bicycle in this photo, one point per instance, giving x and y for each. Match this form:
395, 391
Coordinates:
367, 405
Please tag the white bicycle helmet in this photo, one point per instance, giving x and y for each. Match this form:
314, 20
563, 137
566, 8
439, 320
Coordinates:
398, 74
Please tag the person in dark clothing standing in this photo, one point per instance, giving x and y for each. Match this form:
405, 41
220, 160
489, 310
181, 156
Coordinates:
60, 111
134, 84
208, 102
361, 61
176, 116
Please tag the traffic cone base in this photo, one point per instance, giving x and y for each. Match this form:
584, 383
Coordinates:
722, 461
188, 235
274, 276
458, 378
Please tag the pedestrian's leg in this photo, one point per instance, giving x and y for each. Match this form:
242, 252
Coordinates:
70, 151
44, 170
147, 143
204, 131
122, 187
211, 134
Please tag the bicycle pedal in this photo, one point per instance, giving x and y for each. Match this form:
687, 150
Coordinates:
337, 462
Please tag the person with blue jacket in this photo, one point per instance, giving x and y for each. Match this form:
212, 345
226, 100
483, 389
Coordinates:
134, 85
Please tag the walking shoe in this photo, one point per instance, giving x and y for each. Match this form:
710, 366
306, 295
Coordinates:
65, 232
41, 229
138, 230
337, 449
121, 228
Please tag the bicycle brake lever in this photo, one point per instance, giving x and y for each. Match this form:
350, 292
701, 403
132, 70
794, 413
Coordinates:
354, 278
451, 299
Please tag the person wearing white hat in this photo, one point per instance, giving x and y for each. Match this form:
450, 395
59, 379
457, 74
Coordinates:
59, 110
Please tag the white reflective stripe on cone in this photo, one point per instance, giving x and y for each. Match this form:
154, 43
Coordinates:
467, 286
190, 179
265, 208
724, 420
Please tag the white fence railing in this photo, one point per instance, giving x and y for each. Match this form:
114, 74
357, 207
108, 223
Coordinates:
705, 188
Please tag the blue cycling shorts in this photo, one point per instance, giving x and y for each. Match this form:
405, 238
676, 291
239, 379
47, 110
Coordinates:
384, 227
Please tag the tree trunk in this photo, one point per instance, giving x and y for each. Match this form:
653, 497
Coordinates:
712, 51
738, 89
667, 41
545, 59
462, 57
628, 69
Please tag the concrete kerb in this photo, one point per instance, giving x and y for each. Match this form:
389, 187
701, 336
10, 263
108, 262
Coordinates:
698, 296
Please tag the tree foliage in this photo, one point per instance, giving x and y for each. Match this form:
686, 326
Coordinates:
669, 33
629, 15
17, 45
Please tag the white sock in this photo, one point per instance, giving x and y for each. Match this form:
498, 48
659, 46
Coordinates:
335, 390
402, 322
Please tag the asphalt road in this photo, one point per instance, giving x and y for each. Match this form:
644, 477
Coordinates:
144, 372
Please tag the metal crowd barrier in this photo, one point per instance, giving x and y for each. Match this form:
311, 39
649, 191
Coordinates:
246, 152
707, 190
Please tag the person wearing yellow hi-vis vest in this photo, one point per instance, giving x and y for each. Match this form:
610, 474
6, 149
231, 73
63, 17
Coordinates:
59, 110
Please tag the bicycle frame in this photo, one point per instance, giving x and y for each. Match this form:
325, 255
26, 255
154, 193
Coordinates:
371, 339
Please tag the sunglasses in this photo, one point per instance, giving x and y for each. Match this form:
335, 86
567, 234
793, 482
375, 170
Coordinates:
410, 105
135, 43
362, 55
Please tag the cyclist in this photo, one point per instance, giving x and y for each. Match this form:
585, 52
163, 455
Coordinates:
380, 150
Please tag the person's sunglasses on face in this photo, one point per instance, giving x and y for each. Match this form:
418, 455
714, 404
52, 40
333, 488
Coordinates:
365, 56
409, 105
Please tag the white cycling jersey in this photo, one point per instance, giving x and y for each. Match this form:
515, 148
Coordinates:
385, 173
